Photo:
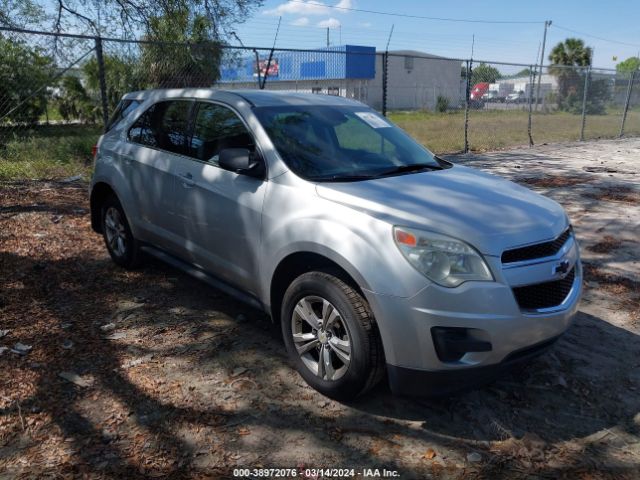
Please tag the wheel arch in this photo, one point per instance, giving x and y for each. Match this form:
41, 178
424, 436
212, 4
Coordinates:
297, 263
99, 193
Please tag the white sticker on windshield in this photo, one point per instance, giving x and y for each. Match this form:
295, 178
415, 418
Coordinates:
373, 120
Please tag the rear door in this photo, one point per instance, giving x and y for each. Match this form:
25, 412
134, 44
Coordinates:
156, 140
219, 211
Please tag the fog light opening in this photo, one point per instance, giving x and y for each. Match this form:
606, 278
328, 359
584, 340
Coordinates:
453, 343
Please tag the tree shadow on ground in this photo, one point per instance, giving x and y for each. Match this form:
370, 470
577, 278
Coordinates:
593, 395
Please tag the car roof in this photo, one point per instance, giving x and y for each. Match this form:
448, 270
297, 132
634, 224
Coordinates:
258, 98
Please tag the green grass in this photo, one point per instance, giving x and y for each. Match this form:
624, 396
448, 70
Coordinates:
52, 114
499, 129
46, 152
59, 151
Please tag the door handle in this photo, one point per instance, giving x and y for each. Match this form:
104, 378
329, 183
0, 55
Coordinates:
127, 159
187, 179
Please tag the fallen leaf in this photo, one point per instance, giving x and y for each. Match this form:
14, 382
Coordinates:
116, 336
76, 379
21, 348
474, 457
429, 454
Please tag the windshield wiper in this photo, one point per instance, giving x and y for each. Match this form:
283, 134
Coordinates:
341, 178
415, 167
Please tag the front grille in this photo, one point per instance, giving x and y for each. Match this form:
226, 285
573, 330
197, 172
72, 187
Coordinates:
544, 295
539, 250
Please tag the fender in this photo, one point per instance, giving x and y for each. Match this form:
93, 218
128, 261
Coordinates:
108, 172
385, 273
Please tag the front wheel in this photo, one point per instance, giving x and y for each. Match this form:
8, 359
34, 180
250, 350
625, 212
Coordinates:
123, 248
331, 336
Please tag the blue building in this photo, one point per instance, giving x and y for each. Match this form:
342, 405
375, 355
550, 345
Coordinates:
415, 79
341, 70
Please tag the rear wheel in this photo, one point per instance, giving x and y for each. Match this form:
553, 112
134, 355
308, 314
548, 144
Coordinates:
330, 335
122, 246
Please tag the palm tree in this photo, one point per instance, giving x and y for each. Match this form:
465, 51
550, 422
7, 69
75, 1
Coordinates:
567, 58
571, 52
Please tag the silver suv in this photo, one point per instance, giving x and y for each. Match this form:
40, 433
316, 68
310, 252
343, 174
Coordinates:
374, 254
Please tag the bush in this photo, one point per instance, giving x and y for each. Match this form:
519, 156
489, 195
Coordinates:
442, 104
74, 103
25, 74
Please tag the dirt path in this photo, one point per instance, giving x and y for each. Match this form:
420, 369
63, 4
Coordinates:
151, 373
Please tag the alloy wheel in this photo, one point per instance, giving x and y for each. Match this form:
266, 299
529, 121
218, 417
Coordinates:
115, 231
321, 337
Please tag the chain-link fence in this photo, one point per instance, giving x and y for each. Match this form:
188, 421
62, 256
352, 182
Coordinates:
56, 91
40, 124
631, 112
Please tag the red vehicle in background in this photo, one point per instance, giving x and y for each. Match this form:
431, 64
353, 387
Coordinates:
478, 90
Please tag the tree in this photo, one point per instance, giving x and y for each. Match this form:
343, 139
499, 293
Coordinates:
126, 17
122, 74
25, 75
525, 72
572, 52
20, 13
73, 101
569, 60
629, 65
484, 73
194, 61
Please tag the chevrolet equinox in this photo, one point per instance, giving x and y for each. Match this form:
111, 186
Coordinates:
375, 255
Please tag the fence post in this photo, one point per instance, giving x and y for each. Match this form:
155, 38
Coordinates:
532, 80
466, 107
626, 103
385, 71
584, 102
103, 82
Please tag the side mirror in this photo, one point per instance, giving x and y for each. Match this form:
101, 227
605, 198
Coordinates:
242, 161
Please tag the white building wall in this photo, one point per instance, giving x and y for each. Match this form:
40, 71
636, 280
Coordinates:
415, 82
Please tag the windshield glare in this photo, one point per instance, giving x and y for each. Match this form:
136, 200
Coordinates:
332, 143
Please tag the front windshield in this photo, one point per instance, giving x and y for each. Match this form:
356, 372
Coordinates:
336, 143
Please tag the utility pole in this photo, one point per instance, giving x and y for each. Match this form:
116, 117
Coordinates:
327, 36
266, 71
385, 73
547, 24
473, 43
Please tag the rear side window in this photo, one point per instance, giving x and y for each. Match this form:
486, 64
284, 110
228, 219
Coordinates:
174, 127
122, 110
164, 125
216, 128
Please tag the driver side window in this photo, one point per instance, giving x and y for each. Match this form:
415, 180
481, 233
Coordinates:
216, 128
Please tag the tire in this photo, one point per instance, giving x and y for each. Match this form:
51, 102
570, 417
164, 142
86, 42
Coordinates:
347, 318
123, 248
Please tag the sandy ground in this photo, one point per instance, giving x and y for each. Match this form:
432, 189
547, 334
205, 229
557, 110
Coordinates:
153, 374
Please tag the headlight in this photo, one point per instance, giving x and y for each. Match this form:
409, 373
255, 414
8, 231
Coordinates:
444, 260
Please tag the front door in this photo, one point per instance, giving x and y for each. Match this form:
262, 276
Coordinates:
219, 211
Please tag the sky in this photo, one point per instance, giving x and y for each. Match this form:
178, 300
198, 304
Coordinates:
304, 25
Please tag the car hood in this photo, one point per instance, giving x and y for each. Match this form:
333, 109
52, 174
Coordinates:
489, 212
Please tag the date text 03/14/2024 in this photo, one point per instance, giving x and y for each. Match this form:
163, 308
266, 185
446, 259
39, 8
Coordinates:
315, 473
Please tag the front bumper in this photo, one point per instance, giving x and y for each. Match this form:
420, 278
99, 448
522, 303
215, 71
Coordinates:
489, 309
408, 381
